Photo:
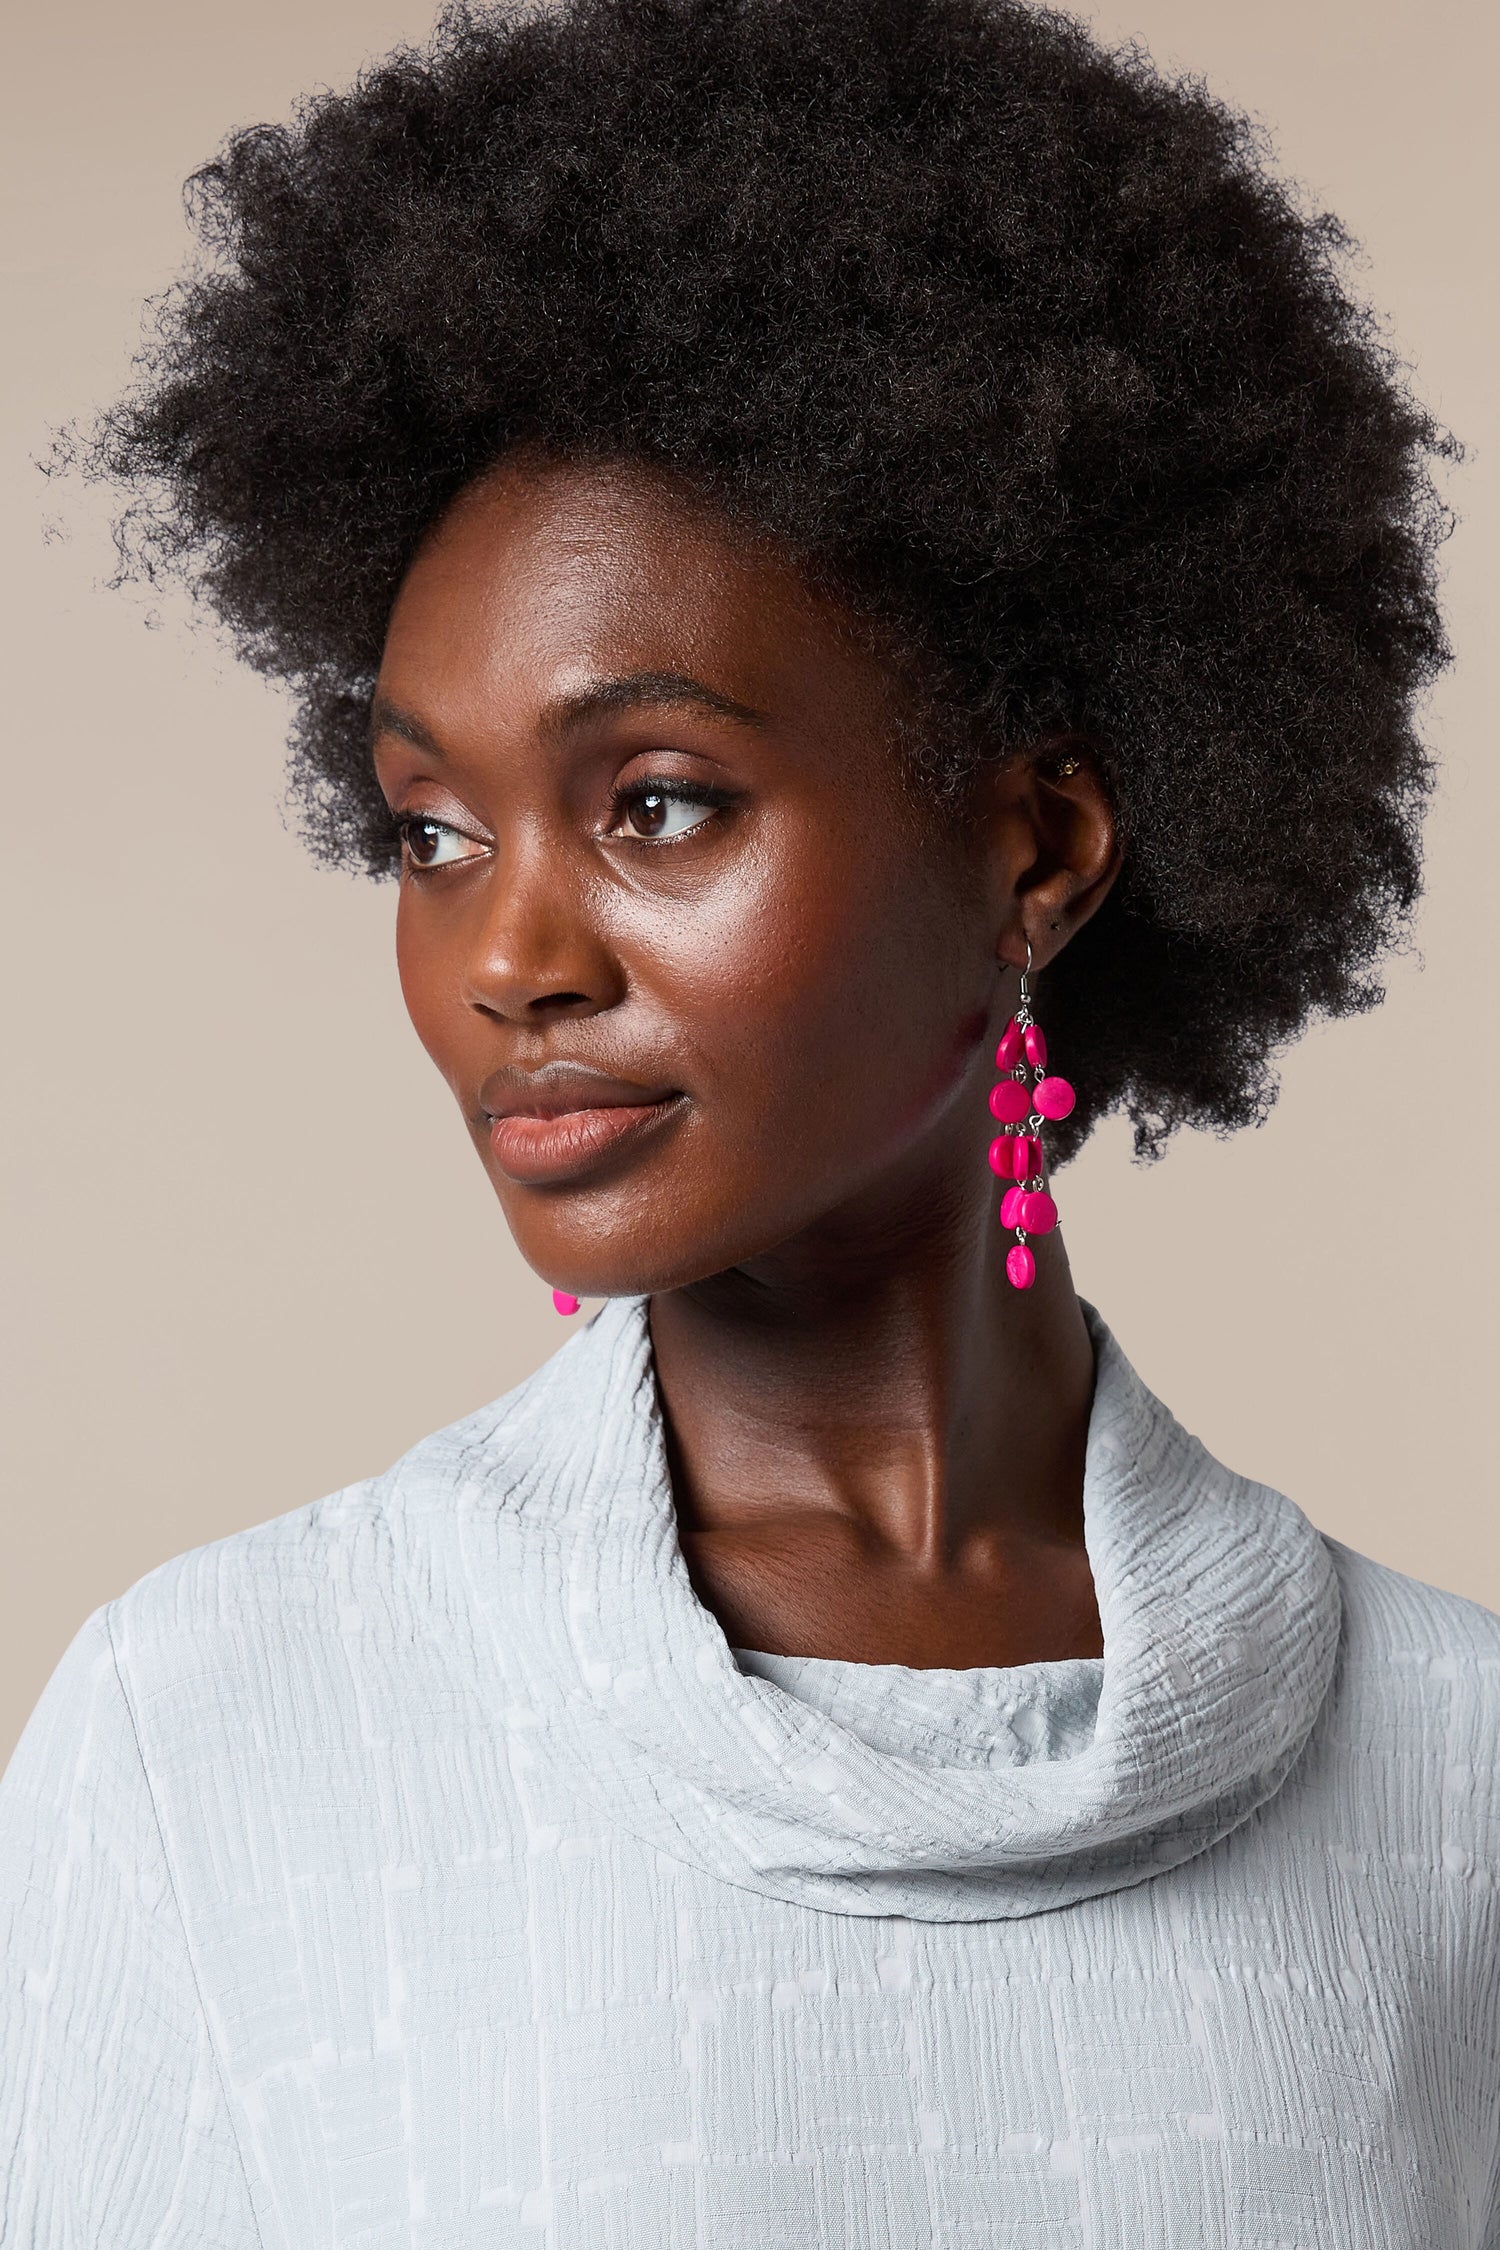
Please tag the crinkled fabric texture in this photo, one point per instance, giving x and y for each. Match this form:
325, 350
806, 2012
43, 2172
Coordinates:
424, 1867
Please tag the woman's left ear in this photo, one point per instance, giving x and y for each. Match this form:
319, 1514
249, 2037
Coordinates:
1054, 847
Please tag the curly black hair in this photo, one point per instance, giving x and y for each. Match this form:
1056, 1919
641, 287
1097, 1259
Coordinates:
1015, 341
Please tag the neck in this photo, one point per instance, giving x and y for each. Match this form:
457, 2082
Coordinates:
877, 1443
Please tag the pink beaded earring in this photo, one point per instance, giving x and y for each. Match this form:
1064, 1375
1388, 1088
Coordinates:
562, 1302
1017, 1154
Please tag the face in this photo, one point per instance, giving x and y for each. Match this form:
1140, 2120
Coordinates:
707, 978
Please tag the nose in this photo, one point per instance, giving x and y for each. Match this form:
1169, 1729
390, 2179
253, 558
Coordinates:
536, 951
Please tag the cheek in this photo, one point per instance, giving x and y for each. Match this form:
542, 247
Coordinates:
430, 970
829, 1007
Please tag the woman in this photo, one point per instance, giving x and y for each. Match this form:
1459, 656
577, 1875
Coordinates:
865, 571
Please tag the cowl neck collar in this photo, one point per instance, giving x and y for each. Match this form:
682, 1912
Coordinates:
947, 1796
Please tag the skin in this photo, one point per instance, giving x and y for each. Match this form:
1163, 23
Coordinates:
876, 1443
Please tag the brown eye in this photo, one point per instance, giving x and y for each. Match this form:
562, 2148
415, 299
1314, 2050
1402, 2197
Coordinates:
657, 815
432, 843
648, 815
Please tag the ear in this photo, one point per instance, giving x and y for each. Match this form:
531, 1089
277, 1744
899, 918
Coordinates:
1053, 844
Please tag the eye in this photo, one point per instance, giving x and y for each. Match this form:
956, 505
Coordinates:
657, 811
433, 843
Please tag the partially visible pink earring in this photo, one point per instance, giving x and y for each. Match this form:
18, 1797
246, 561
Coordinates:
1017, 1155
562, 1302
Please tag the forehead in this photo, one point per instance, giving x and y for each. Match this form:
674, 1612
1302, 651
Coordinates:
543, 575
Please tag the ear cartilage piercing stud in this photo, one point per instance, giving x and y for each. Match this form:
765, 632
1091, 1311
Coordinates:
1024, 1099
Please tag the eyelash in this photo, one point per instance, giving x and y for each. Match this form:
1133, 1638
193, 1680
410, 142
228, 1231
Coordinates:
405, 824
679, 792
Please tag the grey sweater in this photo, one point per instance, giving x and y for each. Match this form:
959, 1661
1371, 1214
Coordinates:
423, 1868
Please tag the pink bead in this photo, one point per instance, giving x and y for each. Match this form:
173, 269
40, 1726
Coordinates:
1008, 1053
1038, 1212
1010, 1206
1020, 1267
1053, 1097
1010, 1102
1029, 1160
562, 1302
1003, 1157
1036, 1047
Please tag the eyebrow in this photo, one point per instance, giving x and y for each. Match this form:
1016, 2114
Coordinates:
645, 691
625, 692
389, 718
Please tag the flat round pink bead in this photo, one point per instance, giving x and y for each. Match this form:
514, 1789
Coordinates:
1010, 1102
1029, 1162
1036, 1047
1038, 1212
1003, 1156
1008, 1053
562, 1302
1020, 1267
1053, 1097
1010, 1206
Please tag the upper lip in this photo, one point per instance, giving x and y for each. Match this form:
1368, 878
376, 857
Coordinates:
555, 1088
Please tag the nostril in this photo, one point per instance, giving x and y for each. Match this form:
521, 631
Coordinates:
534, 1007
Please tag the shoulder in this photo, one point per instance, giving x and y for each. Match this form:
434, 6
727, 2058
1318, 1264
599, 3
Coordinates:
523, 1457
1392, 1620
1412, 1716
395, 1569
510, 1448
377, 1557
337, 1654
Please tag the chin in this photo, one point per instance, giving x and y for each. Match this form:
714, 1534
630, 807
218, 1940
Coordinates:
590, 1275
595, 1261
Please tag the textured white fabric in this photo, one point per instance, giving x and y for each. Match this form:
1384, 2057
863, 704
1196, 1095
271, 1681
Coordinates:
424, 1868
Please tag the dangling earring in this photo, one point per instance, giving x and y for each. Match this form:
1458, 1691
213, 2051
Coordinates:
562, 1302
1017, 1154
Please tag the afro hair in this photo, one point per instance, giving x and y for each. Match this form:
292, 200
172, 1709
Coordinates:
1016, 342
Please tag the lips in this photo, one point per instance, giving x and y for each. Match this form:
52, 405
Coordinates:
561, 1120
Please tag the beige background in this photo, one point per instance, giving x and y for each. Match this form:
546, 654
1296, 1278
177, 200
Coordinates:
251, 1255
